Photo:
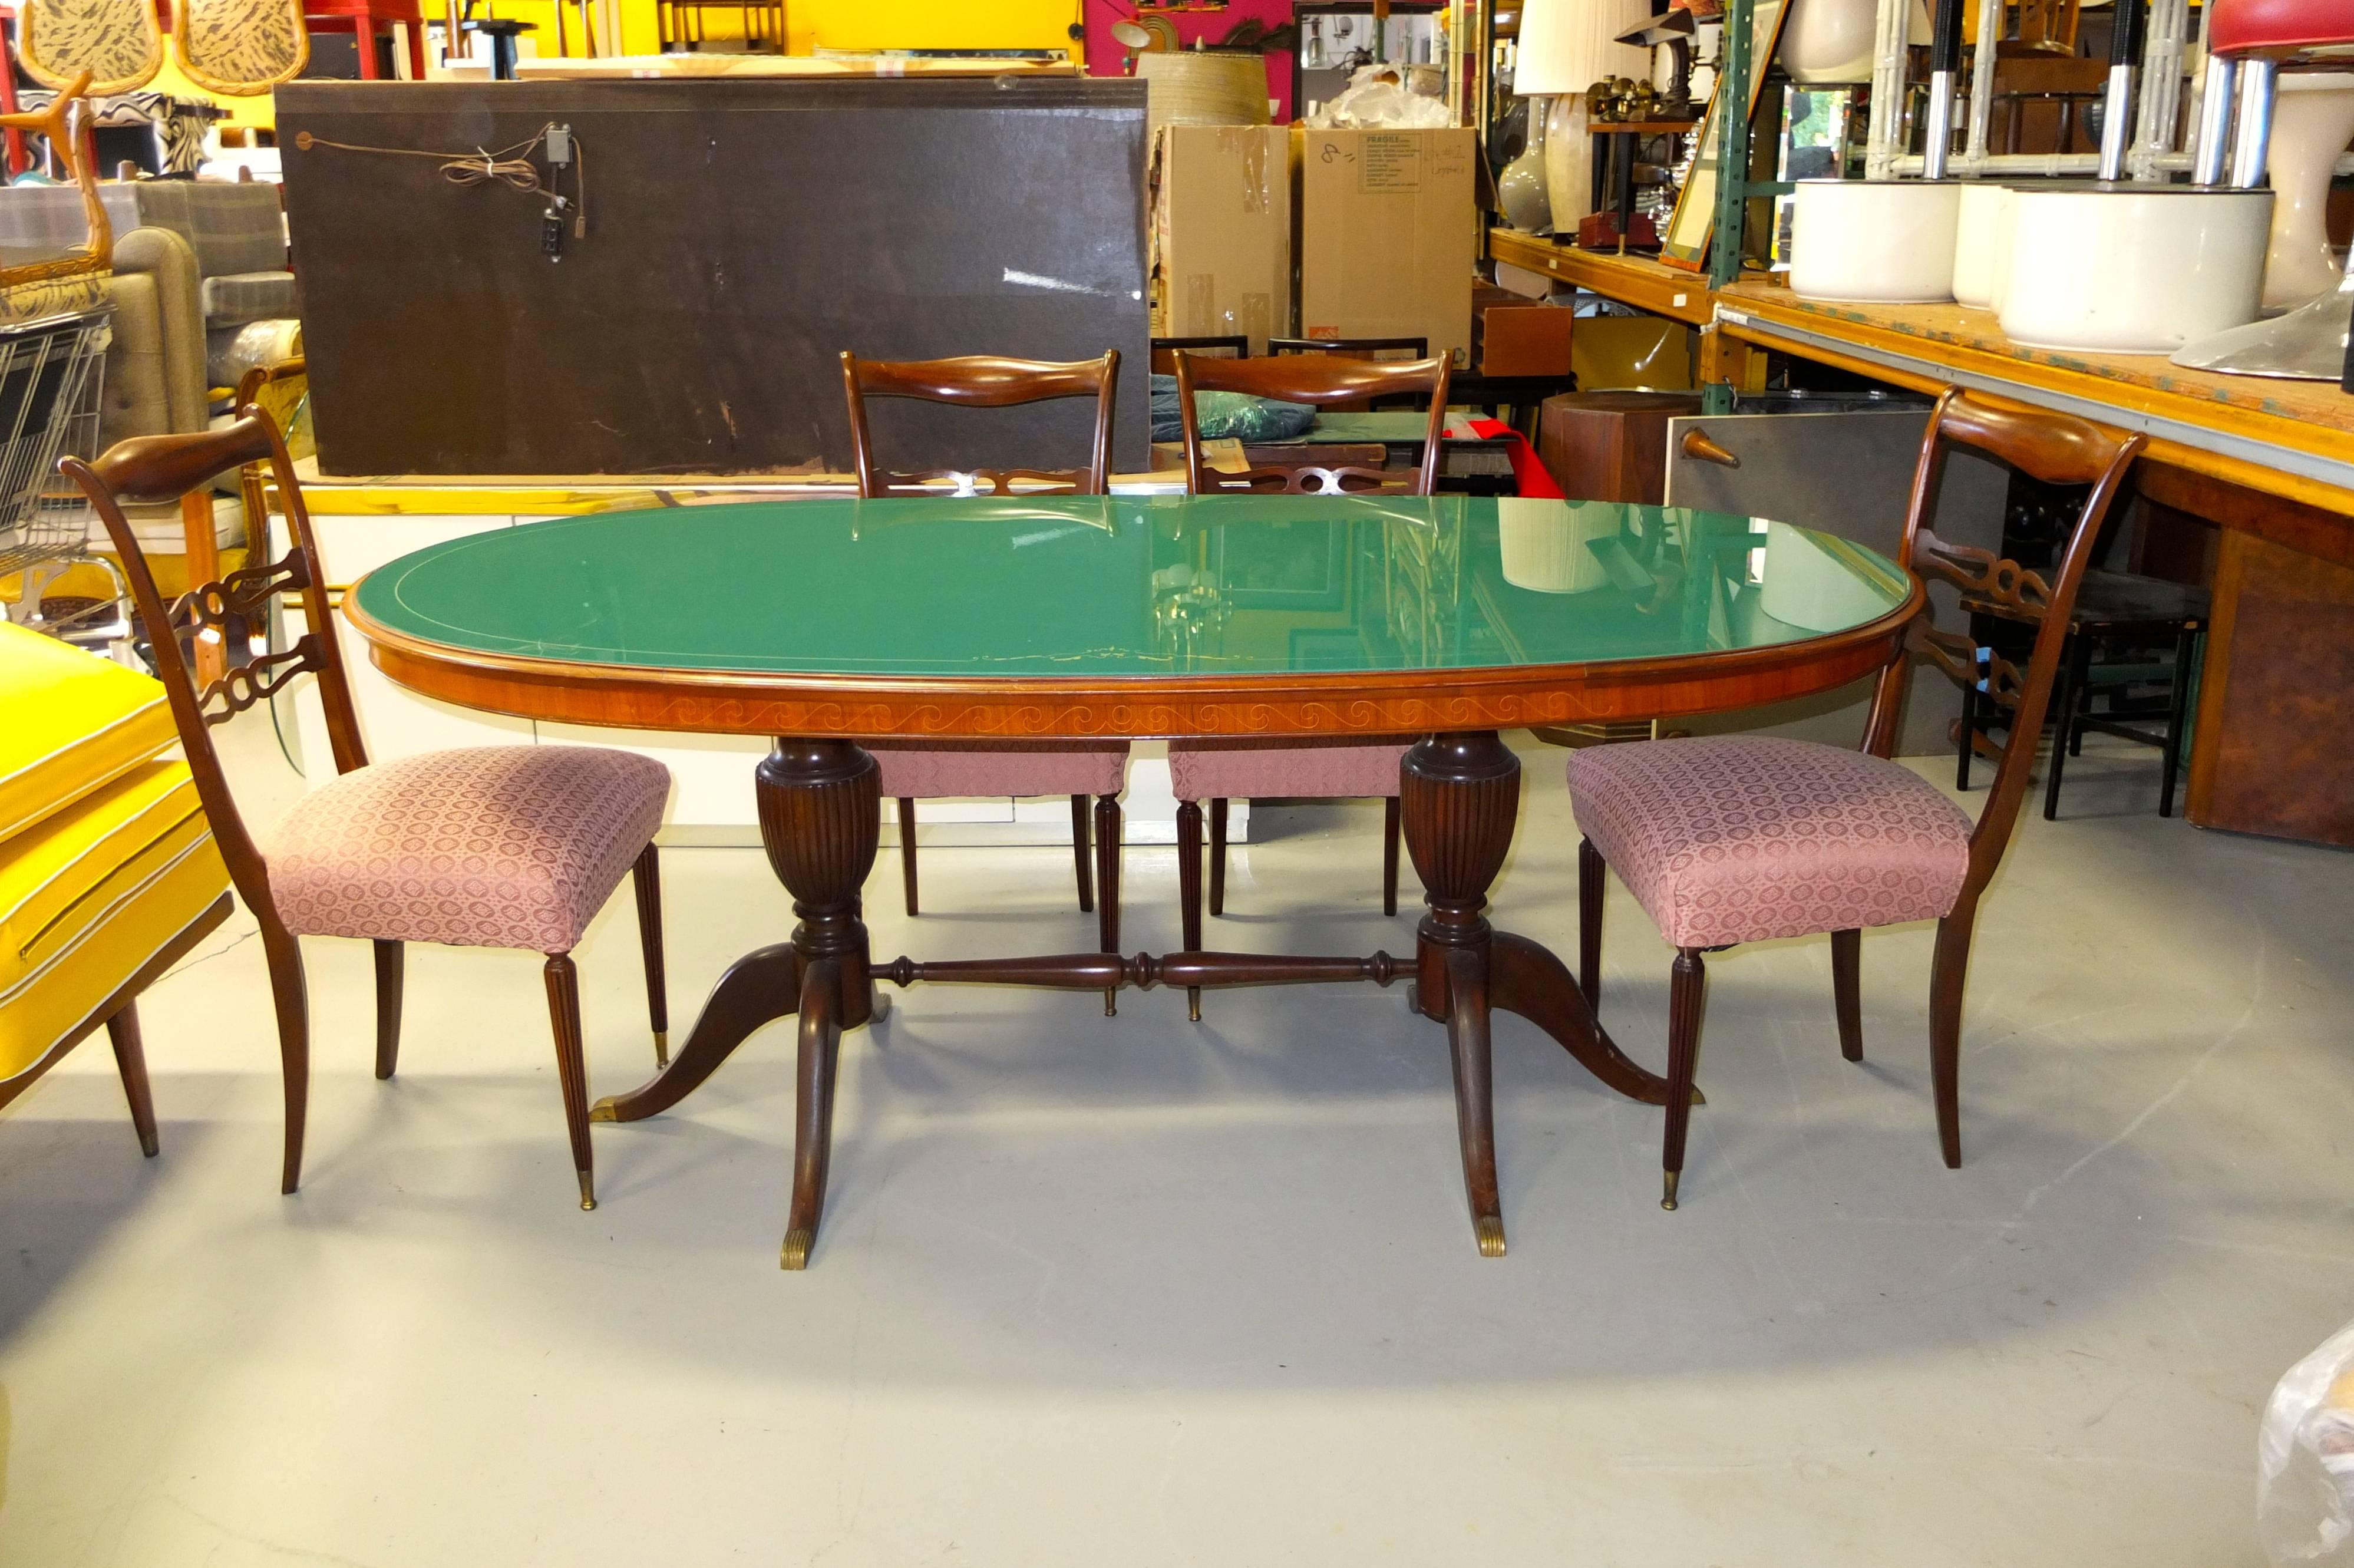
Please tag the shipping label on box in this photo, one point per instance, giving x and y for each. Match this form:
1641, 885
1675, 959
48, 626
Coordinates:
1222, 233
1388, 236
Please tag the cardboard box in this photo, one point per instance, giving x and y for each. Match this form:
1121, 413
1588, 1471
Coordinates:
1388, 230
1513, 336
1222, 232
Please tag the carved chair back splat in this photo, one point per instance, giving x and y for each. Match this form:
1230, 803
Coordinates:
2058, 450
1322, 380
982, 381
160, 470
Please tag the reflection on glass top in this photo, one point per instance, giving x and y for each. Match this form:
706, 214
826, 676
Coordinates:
1132, 585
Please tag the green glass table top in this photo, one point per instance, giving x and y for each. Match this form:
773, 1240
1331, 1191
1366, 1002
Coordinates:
1150, 586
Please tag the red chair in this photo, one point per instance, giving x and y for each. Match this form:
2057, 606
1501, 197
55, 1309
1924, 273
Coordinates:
361, 19
2247, 43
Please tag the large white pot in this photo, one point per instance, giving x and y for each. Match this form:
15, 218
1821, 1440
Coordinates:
1889, 241
1979, 232
2131, 270
1828, 40
1831, 40
2313, 119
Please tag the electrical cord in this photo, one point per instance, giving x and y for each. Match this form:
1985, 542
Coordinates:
510, 166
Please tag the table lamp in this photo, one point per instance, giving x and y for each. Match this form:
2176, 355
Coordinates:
1565, 47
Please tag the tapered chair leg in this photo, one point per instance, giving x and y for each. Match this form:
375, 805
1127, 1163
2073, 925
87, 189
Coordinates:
1946, 981
389, 965
564, 1014
1107, 837
908, 853
1686, 994
647, 876
291, 998
1969, 737
2178, 709
2068, 703
1217, 857
1189, 890
1390, 816
1590, 889
1847, 993
1079, 854
130, 1061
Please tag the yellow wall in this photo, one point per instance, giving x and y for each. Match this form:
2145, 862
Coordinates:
810, 24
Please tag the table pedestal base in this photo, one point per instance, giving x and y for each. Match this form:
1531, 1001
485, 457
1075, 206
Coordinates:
820, 815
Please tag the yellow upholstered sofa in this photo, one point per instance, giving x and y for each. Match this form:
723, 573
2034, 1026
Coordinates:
108, 870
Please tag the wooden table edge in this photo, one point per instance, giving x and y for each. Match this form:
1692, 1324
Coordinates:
1325, 705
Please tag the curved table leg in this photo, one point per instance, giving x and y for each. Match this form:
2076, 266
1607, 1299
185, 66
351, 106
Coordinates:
1529, 981
1475, 1093
758, 988
1458, 794
821, 1044
820, 815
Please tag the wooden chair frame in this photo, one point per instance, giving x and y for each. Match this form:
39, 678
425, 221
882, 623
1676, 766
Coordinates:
988, 381
1166, 350
1322, 380
982, 381
2058, 450
155, 470
1319, 380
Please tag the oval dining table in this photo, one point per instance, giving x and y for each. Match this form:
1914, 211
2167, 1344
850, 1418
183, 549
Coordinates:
1443, 620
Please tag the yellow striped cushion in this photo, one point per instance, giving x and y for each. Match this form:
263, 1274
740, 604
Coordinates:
74, 723
89, 896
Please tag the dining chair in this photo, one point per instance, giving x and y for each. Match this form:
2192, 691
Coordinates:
1165, 350
2122, 615
509, 846
1731, 839
1219, 770
934, 769
1401, 349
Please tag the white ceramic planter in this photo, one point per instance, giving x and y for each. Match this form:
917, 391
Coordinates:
2313, 119
1979, 233
1885, 241
2131, 270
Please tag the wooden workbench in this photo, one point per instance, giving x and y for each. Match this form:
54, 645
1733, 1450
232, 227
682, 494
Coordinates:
2267, 466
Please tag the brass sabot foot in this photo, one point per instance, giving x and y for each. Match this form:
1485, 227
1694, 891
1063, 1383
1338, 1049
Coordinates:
797, 1249
1193, 1007
603, 1110
661, 1047
587, 1191
1491, 1229
1667, 1199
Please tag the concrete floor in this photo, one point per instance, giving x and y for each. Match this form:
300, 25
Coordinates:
1096, 1292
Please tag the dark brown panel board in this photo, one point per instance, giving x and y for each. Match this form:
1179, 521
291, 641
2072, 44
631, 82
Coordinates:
740, 234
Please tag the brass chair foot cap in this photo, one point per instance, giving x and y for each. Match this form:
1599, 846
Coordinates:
797, 1249
603, 1111
661, 1047
1668, 1198
587, 1191
1491, 1228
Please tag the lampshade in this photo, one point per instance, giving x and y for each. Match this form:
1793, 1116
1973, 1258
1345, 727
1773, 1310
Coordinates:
1566, 46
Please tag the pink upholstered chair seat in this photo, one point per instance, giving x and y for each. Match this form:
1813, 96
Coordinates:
2275, 27
1288, 768
1730, 839
503, 846
931, 770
